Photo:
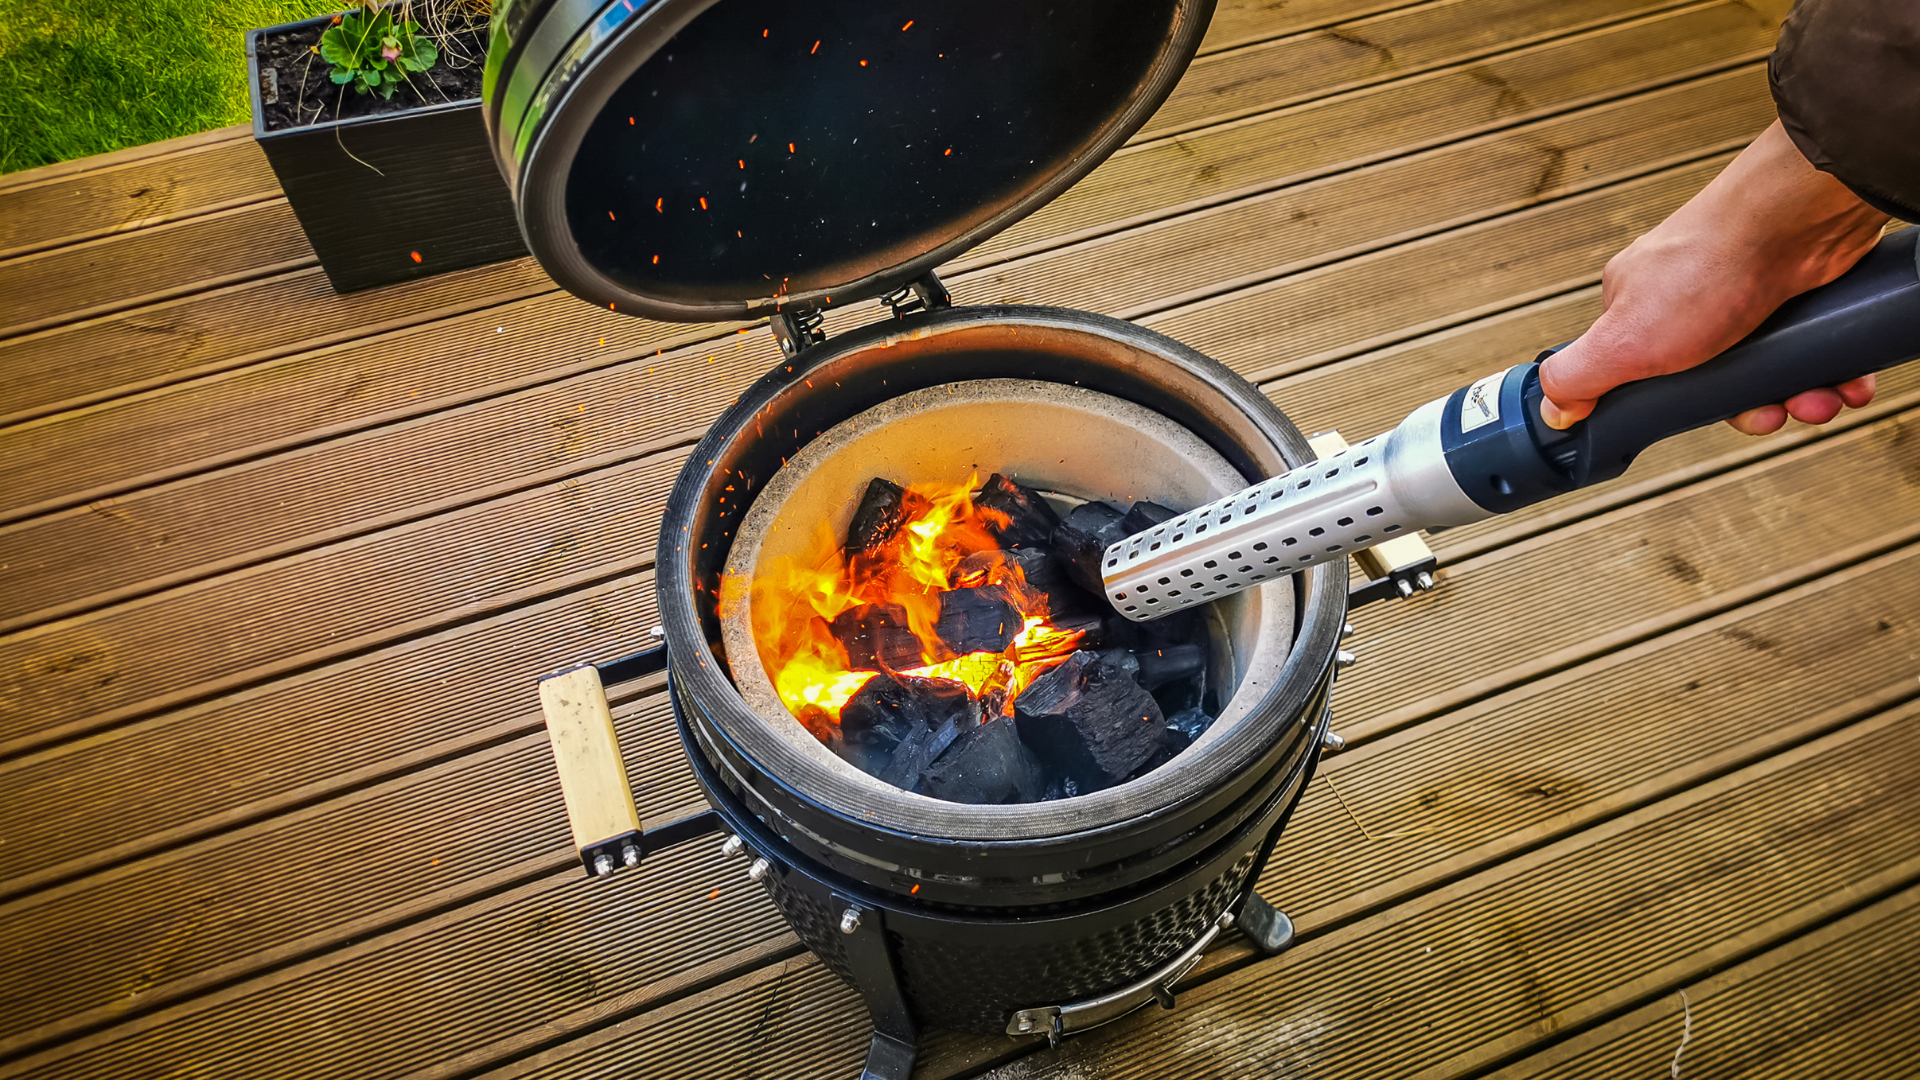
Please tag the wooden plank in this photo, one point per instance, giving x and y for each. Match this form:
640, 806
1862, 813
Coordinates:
227, 329
1486, 968
1370, 393
1165, 176
148, 190
321, 751
1434, 987
81, 364
114, 273
111, 665
109, 946
1844, 1000
330, 602
257, 409
132, 156
301, 739
1240, 82
1300, 322
1203, 253
485, 813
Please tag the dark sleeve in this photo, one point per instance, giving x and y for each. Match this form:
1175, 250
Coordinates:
1846, 79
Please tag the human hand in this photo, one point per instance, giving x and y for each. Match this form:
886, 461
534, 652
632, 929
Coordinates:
1768, 228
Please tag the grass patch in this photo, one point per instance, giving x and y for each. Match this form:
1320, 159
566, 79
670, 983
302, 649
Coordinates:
81, 77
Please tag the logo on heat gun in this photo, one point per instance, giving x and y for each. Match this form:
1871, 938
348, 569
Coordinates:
1482, 403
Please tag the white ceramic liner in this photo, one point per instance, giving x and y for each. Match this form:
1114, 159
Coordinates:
1059, 438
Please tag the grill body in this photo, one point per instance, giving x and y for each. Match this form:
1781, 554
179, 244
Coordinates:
988, 910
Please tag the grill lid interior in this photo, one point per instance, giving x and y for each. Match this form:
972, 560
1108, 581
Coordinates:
773, 154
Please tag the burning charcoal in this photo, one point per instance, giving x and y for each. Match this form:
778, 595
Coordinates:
1144, 515
1079, 543
1179, 628
1087, 720
1030, 521
877, 637
1187, 724
919, 749
978, 620
1124, 659
986, 765
880, 513
1163, 665
891, 710
1064, 599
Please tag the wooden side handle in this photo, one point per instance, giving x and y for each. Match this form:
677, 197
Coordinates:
593, 778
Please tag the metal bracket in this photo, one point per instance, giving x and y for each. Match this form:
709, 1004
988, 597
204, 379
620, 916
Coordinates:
796, 329
1399, 567
1059, 1021
924, 293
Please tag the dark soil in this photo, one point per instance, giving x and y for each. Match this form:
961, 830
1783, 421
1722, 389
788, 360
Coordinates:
304, 86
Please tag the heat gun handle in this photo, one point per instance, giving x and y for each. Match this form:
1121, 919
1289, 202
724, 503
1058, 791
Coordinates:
1866, 320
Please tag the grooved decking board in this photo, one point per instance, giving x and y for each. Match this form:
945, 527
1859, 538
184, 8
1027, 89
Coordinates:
1842, 1001
332, 601
1635, 908
52, 436
1159, 265
1272, 329
275, 338
76, 550
1640, 570
302, 738
73, 366
533, 538
1239, 82
1819, 637
1490, 621
157, 929
148, 190
1369, 394
1461, 100
1486, 965
115, 272
117, 159
654, 920
1559, 753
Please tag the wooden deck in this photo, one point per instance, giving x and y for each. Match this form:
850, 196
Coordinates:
278, 570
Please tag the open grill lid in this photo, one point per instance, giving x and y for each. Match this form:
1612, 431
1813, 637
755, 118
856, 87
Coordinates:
691, 160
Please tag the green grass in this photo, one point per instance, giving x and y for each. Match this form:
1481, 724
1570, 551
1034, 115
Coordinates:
81, 77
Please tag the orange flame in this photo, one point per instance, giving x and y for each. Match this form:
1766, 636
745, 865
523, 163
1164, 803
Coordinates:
943, 543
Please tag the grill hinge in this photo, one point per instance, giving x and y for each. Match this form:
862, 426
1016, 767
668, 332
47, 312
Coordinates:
924, 293
797, 328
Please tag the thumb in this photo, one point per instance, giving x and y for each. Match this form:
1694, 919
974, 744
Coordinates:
1573, 381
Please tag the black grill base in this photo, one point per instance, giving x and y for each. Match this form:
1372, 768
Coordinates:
965, 971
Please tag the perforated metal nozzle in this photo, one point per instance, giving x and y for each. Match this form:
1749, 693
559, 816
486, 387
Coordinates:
1379, 489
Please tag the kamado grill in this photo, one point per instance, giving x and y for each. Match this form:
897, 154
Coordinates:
697, 161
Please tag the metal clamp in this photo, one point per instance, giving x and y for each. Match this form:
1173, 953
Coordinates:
1059, 1021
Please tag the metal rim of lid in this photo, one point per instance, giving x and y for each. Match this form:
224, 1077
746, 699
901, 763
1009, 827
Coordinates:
550, 89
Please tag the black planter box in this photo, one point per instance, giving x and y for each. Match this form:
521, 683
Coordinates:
441, 196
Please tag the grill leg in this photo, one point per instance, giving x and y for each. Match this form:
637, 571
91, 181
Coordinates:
1265, 925
895, 1042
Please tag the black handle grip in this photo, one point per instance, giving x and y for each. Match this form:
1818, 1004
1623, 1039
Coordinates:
1865, 321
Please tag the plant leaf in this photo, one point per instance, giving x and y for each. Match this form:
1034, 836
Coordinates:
335, 48
341, 76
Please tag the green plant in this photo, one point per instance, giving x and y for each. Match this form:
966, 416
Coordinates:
372, 50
